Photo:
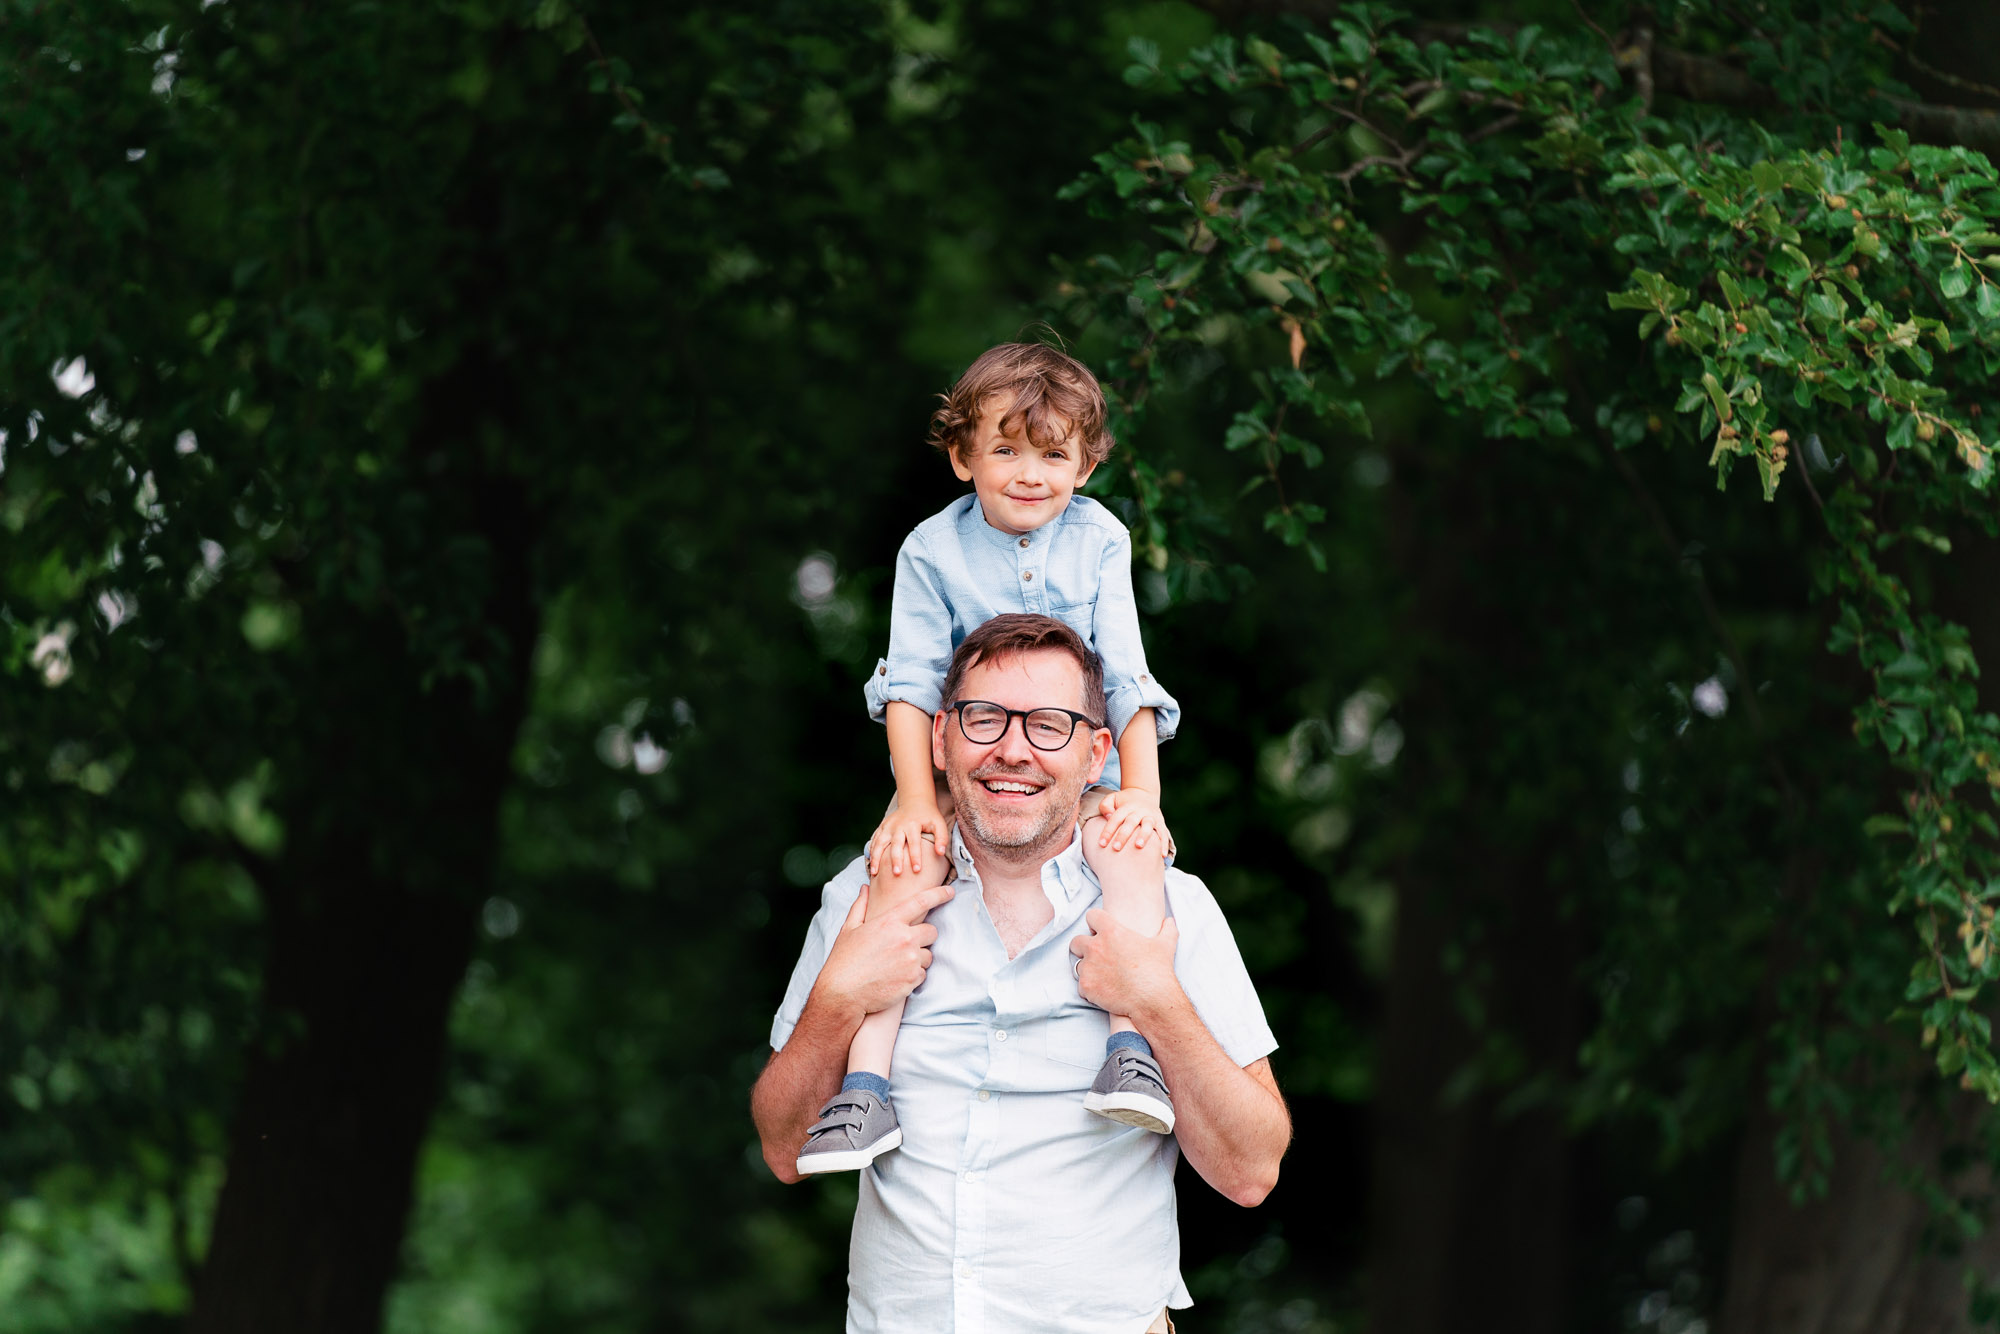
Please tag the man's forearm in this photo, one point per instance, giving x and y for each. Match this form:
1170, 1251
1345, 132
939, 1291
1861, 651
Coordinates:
797, 1080
1230, 1120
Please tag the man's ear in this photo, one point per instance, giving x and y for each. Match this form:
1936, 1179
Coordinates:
1100, 751
937, 737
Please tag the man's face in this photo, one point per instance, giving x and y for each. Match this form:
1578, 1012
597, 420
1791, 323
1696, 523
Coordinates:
1021, 485
1011, 796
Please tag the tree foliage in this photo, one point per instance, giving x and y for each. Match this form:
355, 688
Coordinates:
446, 504
1373, 202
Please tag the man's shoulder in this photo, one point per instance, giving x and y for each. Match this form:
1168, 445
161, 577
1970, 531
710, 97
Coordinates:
1189, 897
839, 892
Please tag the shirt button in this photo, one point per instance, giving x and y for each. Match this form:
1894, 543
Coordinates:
1000, 1036
1027, 576
972, 1176
884, 671
986, 1095
1024, 541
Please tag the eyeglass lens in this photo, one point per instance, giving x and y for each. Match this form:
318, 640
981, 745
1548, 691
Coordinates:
1047, 729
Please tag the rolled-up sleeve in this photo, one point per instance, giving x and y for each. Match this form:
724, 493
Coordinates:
919, 637
1129, 685
834, 901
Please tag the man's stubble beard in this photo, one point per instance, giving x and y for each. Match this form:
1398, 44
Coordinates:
1016, 845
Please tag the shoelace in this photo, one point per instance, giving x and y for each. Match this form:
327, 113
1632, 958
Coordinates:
831, 1120
1133, 1063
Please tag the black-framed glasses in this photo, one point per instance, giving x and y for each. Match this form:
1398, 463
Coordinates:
983, 723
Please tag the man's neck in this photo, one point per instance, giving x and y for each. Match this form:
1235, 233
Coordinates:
1017, 868
1010, 881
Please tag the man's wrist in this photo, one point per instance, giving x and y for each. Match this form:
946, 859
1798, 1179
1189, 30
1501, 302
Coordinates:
833, 1010
1164, 1009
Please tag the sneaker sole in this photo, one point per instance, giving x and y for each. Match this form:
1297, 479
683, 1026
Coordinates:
1133, 1109
853, 1160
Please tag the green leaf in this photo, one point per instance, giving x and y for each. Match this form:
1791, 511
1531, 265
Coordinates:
1716, 397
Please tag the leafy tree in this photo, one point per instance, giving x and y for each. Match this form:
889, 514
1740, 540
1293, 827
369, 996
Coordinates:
446, 457
1383, 203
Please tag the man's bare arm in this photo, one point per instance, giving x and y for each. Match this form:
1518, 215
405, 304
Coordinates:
1231, 1121
872, 966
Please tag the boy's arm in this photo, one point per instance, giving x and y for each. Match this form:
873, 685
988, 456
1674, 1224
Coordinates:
897, 842
1139, 754
919, 639
1129, 685
904, 694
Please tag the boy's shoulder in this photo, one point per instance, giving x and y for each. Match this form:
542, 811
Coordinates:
1084, 517
1086, 513
943, 524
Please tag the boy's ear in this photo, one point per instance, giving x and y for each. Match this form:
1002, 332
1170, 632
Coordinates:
958, 463
1083, 473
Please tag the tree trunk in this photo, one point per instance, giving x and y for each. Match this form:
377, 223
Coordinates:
1866, 1259
327, 1132
392, 810
1470, 1219
1470, 1224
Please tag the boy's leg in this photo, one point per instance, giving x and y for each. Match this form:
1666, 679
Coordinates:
1130, 1087
858, 1124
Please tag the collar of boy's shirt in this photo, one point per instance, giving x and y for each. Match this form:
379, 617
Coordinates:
1000, 537
1072, 872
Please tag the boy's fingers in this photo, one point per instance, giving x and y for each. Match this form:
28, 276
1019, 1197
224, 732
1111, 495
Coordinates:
920, 905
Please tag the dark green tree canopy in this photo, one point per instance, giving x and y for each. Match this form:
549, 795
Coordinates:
453, 454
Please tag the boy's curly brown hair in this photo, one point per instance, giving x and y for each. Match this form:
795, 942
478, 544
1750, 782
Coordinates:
1055, 398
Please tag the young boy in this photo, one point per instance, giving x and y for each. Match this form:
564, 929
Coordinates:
1025, 425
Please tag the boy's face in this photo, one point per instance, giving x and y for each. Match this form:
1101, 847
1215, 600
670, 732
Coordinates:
1021, 485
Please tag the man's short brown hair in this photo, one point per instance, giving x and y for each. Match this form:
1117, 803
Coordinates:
1055, 398
1020, 632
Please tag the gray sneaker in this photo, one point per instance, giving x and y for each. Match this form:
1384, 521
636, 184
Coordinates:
854, 1129
1131, 1089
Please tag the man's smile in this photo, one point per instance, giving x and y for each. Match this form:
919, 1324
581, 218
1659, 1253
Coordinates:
1015, 785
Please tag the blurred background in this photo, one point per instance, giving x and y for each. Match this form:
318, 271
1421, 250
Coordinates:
454, 457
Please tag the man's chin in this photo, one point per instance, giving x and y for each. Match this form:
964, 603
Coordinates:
1013, 824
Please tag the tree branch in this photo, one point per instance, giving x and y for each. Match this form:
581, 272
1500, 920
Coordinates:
1679, 74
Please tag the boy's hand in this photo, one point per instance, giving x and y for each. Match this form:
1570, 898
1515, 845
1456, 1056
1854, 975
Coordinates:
1132, 814
898, 843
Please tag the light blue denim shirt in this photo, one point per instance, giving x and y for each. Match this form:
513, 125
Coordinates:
956, 572
1009, 1207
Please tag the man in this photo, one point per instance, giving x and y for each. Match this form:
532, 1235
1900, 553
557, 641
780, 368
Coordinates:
1009, 1206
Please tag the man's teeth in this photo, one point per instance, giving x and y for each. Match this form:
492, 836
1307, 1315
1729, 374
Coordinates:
1000, 785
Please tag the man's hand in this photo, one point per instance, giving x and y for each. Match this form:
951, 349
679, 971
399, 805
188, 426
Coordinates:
904, 836
1123, 972
1132, 814
875, 964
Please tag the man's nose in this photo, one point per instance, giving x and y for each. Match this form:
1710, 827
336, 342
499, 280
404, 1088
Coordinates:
1013, 743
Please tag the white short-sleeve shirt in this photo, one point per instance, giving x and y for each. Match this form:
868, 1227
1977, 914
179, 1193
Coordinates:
1010, 1207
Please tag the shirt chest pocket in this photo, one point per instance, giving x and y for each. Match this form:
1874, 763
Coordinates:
1075, 1031
1078, 616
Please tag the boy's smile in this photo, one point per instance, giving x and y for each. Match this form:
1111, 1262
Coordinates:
1021, 483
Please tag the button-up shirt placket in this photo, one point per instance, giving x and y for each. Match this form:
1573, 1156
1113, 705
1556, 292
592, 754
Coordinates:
1028, 563
1012, 1001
